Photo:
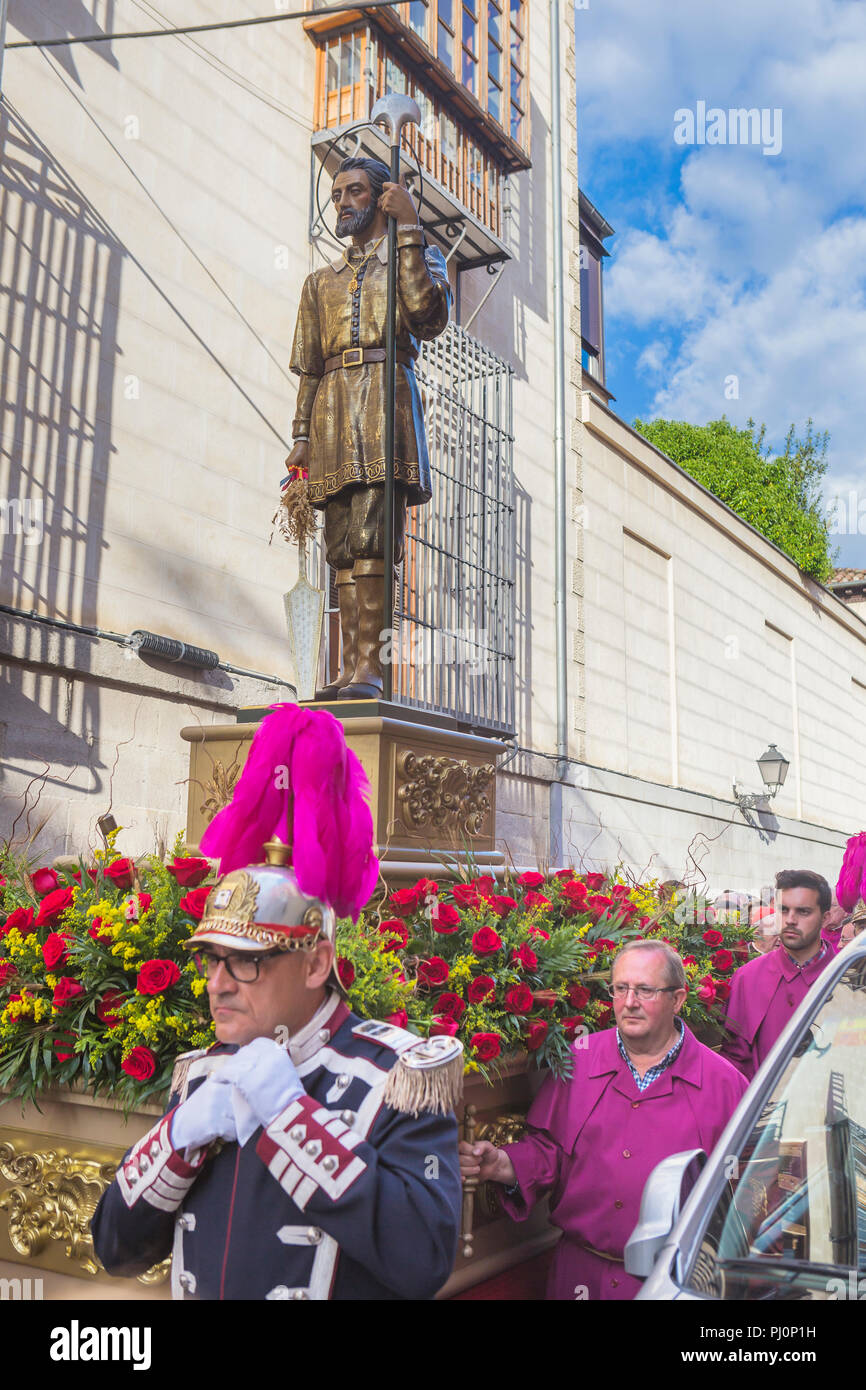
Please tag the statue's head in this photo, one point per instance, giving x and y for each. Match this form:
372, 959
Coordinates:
360, 182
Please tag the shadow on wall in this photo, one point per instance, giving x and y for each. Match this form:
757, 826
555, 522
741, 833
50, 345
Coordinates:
58, 301
57, 19
523, 615
524, 288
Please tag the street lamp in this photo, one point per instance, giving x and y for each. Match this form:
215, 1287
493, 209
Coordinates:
773, 767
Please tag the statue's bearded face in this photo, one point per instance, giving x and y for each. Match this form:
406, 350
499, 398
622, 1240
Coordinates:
353, 202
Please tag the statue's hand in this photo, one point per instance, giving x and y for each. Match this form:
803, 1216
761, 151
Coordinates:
300, 455
396, 201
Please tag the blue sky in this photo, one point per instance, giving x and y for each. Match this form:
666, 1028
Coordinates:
728, 262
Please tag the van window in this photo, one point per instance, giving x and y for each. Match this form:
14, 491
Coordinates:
791, 1223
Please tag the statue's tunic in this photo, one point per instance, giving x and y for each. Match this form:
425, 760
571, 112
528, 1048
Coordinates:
343, 411
340, 1197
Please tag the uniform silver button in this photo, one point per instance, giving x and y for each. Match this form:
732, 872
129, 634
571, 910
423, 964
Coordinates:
297, 1133
314, 1235
279, 1292
314, 1148
131, 1175
154, 1149
347, 1116
187, 1281
343, 1081
300, 1293
329, 1163
143, 1163
187, 1222
324, 1035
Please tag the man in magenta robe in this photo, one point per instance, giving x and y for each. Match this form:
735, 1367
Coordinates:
639, 1092
766, 992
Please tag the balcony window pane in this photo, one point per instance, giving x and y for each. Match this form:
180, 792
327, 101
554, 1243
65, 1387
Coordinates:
494, 63
494, 101
494, 17
517, 15
418, 17
470, 27
446, 13
445, 50
516, 124
516, 86
470, 73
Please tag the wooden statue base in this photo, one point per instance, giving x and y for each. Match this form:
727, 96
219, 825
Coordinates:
433, 787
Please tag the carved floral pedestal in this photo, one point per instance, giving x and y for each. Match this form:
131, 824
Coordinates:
433, 786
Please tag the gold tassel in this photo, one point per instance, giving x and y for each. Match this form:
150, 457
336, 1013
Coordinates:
412, 1089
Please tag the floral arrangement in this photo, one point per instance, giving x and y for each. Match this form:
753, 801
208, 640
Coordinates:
524, 965
95, 988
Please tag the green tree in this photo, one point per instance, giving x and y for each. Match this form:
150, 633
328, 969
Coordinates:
779, 495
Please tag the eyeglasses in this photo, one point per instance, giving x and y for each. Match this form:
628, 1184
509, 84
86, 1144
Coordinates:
243, 966
643, 993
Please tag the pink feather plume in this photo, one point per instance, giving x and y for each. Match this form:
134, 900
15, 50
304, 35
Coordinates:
301, 782
852, 877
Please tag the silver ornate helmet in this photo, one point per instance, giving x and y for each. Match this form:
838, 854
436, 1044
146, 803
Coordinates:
261, 908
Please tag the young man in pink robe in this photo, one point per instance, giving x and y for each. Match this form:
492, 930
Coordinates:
639, 1092
766, 992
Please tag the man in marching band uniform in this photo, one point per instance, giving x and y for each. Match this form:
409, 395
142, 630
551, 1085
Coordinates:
308, 1153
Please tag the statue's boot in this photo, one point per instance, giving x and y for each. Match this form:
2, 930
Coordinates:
367, 683
347, 599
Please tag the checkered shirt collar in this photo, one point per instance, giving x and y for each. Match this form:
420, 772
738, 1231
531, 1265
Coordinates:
654, 1072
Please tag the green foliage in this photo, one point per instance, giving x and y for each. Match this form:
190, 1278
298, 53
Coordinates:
780, 496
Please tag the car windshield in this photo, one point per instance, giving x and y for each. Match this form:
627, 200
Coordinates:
791, 1223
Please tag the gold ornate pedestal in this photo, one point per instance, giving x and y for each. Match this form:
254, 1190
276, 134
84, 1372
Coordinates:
55, 1163
433, 786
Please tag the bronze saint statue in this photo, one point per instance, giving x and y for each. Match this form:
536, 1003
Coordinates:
338, 429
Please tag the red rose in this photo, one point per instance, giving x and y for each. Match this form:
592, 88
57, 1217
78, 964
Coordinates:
155, 976
531, 880
399, 1019
44, 881
425, 888
536, 1035
481, 988
395, 934
445, 919
56, 949
66, 990
433, 971
486, 1046
578, 996
140, 1064
723, 988
194, 902
524, 955
404, 901
190, 872
571, 1026
538, 931
722, 960
605, 1013
450, 1005
485, 884
60, 1045
346, 972
599, 903
575, 891
535, 900
518, 999
689, 960
593, 881
110, 998
620, 890
444, 1026
464, 895
121, 873
7, 972
564, 874
19, 920
486, 942
53, 906
501, 904
707, 990
102, 938
713, 937
604, 945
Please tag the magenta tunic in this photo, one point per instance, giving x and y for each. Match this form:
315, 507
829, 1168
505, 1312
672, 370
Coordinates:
593, 1142
764, 995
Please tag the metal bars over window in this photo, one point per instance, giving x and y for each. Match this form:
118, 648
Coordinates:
454, 639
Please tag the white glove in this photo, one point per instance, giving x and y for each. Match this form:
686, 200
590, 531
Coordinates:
266, 1082
205, 1115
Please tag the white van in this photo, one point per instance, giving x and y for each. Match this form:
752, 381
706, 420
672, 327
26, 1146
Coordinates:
778, 1211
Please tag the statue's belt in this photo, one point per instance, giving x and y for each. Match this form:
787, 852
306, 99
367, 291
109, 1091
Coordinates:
356, 357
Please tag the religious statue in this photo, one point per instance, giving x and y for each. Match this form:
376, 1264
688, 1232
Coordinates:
339, 423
